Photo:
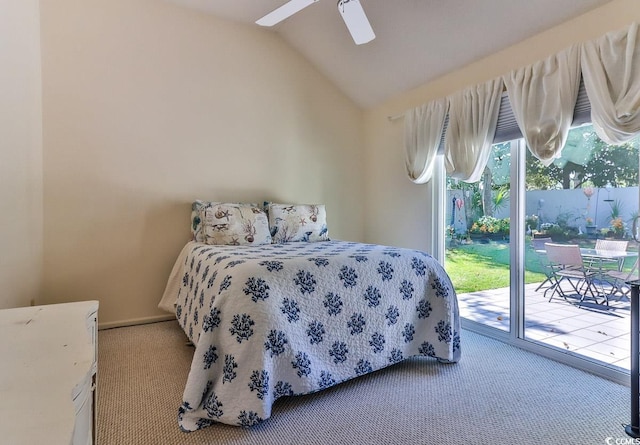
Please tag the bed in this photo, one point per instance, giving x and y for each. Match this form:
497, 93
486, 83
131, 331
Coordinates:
292, 318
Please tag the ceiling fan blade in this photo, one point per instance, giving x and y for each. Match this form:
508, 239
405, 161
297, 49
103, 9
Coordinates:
356, 21
284, 11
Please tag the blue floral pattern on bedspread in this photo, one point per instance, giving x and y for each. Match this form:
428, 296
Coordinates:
289, 319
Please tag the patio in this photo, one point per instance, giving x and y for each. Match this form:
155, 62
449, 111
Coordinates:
592, 330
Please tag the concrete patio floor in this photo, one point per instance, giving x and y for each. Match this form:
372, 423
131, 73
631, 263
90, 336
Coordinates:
593, 330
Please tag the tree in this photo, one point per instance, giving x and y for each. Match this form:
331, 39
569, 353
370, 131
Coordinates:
586, 159
613, 164
494, 192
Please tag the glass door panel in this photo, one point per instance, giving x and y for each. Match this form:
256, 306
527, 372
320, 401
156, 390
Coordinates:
477, 250
589, 195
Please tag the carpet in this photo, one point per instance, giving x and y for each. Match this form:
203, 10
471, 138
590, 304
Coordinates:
496, 394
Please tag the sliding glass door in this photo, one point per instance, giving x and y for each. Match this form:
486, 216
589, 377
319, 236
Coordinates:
495, 236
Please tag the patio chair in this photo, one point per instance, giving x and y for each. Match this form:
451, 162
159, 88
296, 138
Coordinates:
618, 280
538, 247
611, 246
566, 263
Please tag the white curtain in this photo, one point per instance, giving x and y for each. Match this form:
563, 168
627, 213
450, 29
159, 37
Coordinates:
422, 134
611, 72
473, 115
543, 97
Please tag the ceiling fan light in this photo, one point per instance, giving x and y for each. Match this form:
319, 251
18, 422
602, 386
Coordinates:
283, 12
356, 20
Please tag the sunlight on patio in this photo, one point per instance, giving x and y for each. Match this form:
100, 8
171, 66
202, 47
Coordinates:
592, 330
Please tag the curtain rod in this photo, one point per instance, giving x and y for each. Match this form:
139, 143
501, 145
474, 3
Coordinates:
395, 117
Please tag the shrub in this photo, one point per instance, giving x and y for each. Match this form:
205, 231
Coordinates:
617, 227
531, 221
558, 232
490, 225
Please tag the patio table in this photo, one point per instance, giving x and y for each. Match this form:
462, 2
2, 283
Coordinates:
598, 256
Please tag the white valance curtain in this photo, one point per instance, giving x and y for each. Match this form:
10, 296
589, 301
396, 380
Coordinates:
611, 71
542, 98
423, 127
473, 114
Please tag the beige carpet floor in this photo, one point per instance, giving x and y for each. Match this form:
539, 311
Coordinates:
497, 394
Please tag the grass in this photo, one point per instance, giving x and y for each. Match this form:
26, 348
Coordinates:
475, 267
479, 266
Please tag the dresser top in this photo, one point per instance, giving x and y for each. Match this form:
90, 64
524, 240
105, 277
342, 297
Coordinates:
48, 357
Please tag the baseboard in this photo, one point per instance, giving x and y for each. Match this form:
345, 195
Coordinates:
134, 321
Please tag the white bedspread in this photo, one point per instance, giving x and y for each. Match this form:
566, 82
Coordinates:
288, 319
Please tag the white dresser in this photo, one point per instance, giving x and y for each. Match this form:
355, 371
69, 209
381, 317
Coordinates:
48, 366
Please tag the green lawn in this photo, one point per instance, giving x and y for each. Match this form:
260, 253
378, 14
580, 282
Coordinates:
477, 266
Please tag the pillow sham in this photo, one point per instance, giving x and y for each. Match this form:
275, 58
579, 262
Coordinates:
196, 220
197, 207
301, 222
234, 224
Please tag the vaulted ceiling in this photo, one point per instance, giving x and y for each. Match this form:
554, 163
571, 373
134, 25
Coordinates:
416, 40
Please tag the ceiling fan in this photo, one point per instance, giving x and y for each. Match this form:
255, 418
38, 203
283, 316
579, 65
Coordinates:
350, 10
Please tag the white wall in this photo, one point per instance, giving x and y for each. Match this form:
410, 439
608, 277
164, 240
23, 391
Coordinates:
148, 106
20, 154
397, 211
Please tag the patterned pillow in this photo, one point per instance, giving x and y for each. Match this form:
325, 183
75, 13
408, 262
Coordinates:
196, 220
197, 230
298, 223
234, 224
